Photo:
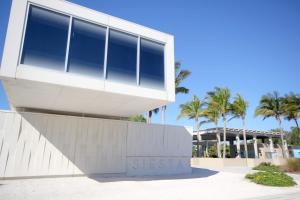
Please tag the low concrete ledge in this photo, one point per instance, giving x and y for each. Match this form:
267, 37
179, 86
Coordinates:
233, 162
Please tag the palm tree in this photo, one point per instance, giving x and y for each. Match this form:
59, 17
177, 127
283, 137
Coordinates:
291, 108
150, 112
192, 110
212, 114
239, 109
220, 98
137, 118
271, 105
180, 75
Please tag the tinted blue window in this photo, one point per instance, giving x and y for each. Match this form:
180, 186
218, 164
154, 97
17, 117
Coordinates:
45, 39
121, 58
86, 53
151, 64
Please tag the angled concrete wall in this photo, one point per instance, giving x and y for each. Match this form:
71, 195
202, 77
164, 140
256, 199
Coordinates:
35, 144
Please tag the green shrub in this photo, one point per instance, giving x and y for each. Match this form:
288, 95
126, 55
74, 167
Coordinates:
278, 179
227, 155
212, 151
268, 167
137, 118
292, 165
194, 151
250, 176
270, 175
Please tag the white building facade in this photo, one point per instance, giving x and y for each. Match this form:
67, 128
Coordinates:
68, 71
64, 57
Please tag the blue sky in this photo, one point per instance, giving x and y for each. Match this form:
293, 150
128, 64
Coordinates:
250, 46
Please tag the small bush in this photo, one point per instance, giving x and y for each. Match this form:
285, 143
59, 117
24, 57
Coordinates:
194, 151
267, 167
212, 151
278, 179
292, 165
250, 176
270, 175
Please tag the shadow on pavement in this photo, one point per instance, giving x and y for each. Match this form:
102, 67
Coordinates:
196, 173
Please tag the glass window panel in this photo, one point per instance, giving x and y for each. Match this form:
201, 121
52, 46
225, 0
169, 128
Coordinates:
45, 39
151, 64
121, 58
87, 44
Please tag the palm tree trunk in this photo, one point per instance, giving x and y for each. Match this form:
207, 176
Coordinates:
224, 137
198, 136
297, 127
245, 139
284, 149
218, 142
163, 114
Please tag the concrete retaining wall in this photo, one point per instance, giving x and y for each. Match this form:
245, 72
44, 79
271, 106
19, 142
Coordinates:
35, 144
233, 162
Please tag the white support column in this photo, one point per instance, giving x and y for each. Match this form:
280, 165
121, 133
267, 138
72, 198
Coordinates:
271, 144
255, 146
285, 147
163, 116
199, 138
198, 148
238, 146
148, 118
218, 145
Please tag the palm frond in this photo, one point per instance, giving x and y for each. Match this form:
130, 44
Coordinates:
192, 109
270, 105
156, 110
182, 90
180, 76
291, 106
220, 98
239, 106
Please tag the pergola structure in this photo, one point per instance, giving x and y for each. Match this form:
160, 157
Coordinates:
234, 137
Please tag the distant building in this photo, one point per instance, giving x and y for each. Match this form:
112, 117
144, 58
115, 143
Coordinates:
265, 148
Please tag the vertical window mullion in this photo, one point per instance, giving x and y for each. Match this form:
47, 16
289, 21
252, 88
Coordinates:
165, 69
138, 61
24, 32
105, 54
68, 43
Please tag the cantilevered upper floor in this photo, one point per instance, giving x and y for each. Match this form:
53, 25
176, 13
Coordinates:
65, 57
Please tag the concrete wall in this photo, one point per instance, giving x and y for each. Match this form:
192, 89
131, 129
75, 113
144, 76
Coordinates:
233, 162
34, 144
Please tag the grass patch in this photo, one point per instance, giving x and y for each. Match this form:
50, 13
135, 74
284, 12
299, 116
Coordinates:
270, 175
278, 179
267, 167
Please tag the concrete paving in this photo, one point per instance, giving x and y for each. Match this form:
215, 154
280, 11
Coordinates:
292, 196
201, 184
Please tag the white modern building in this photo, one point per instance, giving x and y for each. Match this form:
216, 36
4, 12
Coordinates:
69, 72
63, 57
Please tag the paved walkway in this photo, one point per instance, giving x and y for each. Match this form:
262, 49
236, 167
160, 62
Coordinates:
228, 184
292, 196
